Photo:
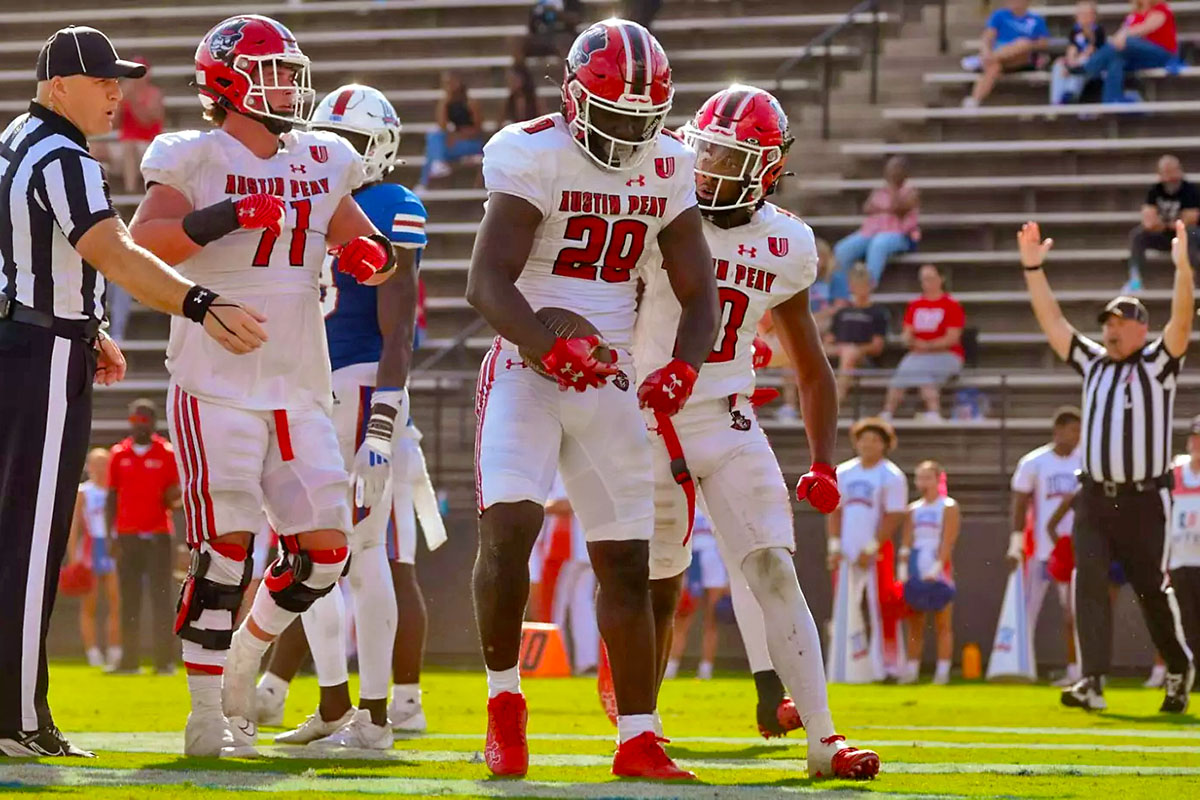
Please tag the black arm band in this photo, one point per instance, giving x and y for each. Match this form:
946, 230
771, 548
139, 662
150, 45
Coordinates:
386, 244
196, 303
210, 223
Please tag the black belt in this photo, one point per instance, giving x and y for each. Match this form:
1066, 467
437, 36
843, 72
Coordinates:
1113, 489
12, 311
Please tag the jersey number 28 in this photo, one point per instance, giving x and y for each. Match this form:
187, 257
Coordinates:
608, 251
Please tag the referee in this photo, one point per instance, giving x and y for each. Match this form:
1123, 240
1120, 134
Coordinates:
57, 228
1124, 501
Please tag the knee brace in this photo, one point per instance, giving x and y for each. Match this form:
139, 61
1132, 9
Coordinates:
217, 578
298, 578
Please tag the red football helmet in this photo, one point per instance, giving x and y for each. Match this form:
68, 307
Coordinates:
616, 92
242, 59
740, 134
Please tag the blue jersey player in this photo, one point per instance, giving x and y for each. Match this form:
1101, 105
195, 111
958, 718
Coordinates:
370, 335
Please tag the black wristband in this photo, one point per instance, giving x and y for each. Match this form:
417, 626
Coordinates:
1034, 269
196, 303
210, 223
386, 244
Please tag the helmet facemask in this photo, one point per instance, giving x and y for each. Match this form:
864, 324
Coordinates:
275, 73
722, 160
632, 125
379, 148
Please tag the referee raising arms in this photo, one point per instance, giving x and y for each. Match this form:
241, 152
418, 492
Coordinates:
57, 228
1124, 502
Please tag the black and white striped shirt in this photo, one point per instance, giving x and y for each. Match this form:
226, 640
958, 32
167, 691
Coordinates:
52, 191
1127, 410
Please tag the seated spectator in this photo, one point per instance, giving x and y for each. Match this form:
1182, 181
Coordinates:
522, 102
891, 226
1087, 35
859, 331
933, 326
459, 135
829, 291
1170, 199
1011, 40
142, 116
1146, 40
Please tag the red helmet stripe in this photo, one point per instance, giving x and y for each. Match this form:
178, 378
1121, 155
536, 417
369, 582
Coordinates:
727, 111
343, 100
649, 55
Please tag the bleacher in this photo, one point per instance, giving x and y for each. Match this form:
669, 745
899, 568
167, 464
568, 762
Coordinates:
981, 172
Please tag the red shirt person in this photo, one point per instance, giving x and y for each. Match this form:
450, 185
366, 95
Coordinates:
933, 326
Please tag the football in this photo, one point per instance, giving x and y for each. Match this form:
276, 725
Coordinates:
566, 324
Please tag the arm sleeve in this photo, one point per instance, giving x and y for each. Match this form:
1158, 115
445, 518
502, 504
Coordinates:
512, 166
993, 21
77, 193
1166, 366
402, 218
1082, 353
355, 173
169, 160
1025, 477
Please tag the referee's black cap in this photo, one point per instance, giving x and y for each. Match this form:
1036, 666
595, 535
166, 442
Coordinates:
80, 50
1125, 307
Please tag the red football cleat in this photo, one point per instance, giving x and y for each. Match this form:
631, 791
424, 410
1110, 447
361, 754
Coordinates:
507, 752
605, 686
843, 761
787, 718
643, 757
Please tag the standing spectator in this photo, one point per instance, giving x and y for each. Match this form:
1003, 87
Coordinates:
1011, 39
859, 331
1146, 40
142, 116
1185, 539
707, 584
459, 134
143, 488
522, 102
89, 543
1087, 35
1172, 198
891, 225
933, 326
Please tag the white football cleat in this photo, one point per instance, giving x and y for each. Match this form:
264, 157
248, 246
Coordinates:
268, 705
209, 735
238, 683
406, 716
360, 732
314, 728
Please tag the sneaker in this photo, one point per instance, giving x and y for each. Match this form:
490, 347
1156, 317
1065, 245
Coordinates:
45, 741
361, 733
1133, 285
314, 728
1178, 687
970, 102
439, 169
930, 417
643, 757
94, 657
268, 705
507, 751
1086, 693
209, 735
886, 416
605, 686
971, 63
406, 715
1064, 680
1158, 674
833, 758
779, 720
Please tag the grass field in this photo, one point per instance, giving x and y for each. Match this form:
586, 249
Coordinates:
964, 740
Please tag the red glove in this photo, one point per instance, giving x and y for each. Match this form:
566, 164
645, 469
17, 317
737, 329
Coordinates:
763, 395
573, 363
761, 353
667, 388
819, 487
260, 211
361, 258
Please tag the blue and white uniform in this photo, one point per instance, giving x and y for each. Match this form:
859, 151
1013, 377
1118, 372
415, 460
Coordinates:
94, 500
924, 591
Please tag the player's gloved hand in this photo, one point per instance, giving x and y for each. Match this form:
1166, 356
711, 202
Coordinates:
373, 462
667, 388
361, 258
934, 573
761, 353
1016, 549
573, 363
819, 487
260, 211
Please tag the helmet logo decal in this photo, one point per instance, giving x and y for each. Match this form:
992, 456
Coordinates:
340, 105
593, 40
222, 42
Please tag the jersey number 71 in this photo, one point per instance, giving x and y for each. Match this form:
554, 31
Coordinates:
266, 245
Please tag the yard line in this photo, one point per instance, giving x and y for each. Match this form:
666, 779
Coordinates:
1134, 733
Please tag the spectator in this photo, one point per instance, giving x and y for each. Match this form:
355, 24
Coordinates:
829, 291
459, 135
142, 116
933, 326
891, 225
707, 583
1086, 36
1146, 40
522, 102
859, 331
1170, 199
89, 543
1011, 39
552, 27
143, 489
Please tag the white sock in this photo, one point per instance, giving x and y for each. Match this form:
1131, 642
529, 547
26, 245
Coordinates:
943, 670
504, 680
410, 693
324, 627
818, 725
658, 728
114, 653
912, 669
672, 669
631, 725
1073, 671
206, 693
749, 617
705, 671
273, 684
246, 640
1158, 672
375, 615
267, 614
94, 657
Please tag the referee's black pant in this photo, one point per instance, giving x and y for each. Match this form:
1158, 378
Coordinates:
45, 423
1129, 528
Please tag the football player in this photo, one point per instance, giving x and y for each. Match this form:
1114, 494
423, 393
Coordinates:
578, 202
764, 259
253, 206
370, 333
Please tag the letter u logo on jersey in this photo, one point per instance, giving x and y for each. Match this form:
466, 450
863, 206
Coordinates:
664, 167
778, 246
320, 153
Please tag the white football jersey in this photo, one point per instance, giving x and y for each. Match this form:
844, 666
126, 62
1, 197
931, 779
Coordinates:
867, 494
758, 266
95, 498
279, 276
598, 228
1049, 477
1185, 517
928, 522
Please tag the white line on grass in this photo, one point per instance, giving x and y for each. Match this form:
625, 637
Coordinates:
1133, 733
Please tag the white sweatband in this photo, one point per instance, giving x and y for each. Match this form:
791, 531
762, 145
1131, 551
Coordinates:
393, 398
